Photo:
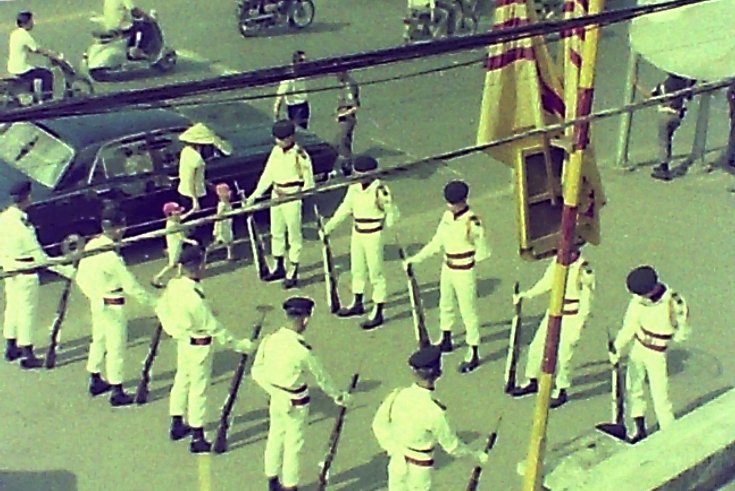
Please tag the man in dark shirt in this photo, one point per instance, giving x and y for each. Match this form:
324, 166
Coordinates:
671, 113
348, 102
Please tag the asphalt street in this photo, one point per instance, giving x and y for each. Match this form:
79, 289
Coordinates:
53, 437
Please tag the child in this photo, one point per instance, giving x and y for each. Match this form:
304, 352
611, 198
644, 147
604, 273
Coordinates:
174, 213
223, 228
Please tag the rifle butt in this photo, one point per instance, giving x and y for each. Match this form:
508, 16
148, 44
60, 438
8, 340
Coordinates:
220, 443
50, 361
141, 393
511, 361
474, 479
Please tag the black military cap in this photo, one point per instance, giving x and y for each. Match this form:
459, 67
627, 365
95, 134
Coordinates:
283, 129
426, 358
364, 163
20, 190
642, 280
456, 192
298, 306
191, 255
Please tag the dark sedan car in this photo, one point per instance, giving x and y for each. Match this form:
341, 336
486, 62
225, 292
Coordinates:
80, 163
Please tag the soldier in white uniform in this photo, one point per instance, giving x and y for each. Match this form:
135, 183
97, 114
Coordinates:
576, 307
656, 316
372, 208
410, 422
278, 368
186, 317
106, 281
461, 236
20, 249
289, 171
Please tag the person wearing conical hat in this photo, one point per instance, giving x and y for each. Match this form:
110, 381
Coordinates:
191, 162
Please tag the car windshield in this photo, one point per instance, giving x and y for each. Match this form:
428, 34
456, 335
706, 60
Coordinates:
34, 152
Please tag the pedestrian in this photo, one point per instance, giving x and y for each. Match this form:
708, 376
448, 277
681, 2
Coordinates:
671, 113
20, 45
106, 281
461, 236
293, 93
278, 368
289, 171
118, 16
372, 208
20, 249
186, 317
656, 316
348, 102
728, 159
410, 422
175, 240
578, 292
191, 162
222, 231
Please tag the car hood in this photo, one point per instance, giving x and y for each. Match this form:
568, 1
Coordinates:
9, 176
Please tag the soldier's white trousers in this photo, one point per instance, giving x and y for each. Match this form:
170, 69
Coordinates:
403, 476
109, 338
188, 396
366, 260
21, 305
647, 363
571, 329
285, 439
459, 283
286, 219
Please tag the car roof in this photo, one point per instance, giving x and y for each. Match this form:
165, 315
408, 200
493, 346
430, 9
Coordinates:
94, 129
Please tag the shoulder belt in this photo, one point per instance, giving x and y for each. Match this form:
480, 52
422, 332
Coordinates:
393, 396
441, 406
676, 301
305, 344
381, 191
200, 293
299, 153
472, 220
584, 268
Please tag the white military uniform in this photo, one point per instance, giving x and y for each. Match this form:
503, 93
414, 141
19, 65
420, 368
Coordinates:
408, 425
18, 249
105, 280
186, 317
462, 238
288, 172
653, 325
371, 208
222, 231
576, 307
279, 369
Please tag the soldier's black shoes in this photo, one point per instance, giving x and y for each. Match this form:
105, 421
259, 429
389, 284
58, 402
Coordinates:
119, 397
469, 366
353, 310
29, 360
179, 429
640, 427
375, 320
12, 352
531, 388
662, 173
199, 444
292, 279
274, 484
559, 400
446, 343
278, 273
98, 386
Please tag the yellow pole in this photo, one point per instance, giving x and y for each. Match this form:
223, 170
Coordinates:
535, 459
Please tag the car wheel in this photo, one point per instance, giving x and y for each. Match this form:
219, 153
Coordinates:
302, 14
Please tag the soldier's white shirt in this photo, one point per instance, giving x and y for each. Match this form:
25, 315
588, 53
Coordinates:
288, 172
184, 313
373, 202
105, 274
20, 241
409, 419
457, 234
665, 317
580, 283
281, 361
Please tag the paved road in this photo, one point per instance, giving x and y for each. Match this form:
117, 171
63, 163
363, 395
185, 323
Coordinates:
55, 438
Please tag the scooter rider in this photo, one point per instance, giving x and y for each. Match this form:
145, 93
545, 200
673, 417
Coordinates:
20, 45
118, 15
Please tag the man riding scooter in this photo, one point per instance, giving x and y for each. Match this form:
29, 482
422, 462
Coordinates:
438, 17
20, 45
123, 16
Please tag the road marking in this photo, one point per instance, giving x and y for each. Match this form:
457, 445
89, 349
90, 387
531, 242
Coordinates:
204, 462
49, 20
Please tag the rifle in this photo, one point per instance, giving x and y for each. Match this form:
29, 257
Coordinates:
514, 348
417, 308
617, 427
326, 464
220, 444
330, 278
73, 245
141, 393
256, 244
477, 470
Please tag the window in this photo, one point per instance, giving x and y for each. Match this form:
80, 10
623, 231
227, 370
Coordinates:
124, 160
34, 152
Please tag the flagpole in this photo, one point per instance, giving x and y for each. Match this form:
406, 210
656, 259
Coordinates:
534, 461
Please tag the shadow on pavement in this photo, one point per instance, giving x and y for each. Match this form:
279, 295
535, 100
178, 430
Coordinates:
38, 481
370, 476
382, 151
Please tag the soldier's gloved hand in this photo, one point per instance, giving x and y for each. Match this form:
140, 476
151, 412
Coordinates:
343, 399
322, 233
481, 457
243, 346
517, 297
614, 357
250, 201
407, 263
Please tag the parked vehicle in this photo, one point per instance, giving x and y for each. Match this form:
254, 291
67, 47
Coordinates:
251, 20
78, 164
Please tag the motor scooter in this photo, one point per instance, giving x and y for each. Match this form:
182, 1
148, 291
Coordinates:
299, 14
16, 92
113, 54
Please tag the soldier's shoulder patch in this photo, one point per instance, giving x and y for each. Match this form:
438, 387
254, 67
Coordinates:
200, 293
302, 152
586, 267
305, 344
677, 298
25, 221
441, 406
383, 189
475, 221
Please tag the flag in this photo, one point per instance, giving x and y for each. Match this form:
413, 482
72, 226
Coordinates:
522, 89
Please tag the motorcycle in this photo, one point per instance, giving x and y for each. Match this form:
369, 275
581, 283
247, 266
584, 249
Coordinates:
112, 55
16, 92
299, 14
462, 20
